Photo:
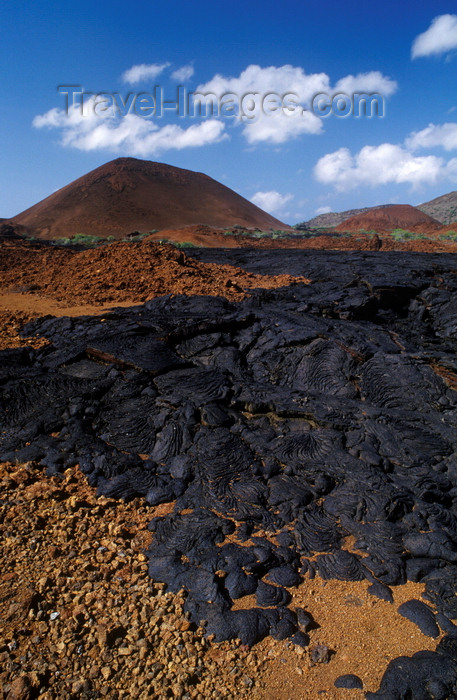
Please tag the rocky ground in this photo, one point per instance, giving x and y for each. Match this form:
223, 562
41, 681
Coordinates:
120, 272
80, 616
207, 237
82, 619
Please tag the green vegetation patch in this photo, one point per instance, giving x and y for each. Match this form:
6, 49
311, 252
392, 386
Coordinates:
137, 236
399, 234
186, 244
448, 236
83, 239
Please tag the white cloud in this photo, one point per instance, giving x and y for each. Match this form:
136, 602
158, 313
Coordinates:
271, 201
279, 128
374, 81
440, 37
51, 119
184, 73
132, 135
444, 135
283, 79
143, 71
282, 124
322, 210
378, 165
451, 169
263, 118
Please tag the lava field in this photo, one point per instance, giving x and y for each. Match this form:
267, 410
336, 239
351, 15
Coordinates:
305, 430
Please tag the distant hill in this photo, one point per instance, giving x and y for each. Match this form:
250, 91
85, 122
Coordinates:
332, 218
442, 208
402, 216
128, 194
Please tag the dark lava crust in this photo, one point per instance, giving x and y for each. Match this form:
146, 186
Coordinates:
280, 426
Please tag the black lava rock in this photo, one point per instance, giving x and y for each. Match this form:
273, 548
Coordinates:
349, 681
421, 615
313, 413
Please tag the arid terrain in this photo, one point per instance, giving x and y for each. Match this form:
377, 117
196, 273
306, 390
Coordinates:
443, 209
128, 198
439, 241
81, 618
385, 219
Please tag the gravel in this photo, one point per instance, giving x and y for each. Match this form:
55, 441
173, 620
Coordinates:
81, 617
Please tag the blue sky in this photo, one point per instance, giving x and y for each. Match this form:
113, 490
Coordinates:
287, 157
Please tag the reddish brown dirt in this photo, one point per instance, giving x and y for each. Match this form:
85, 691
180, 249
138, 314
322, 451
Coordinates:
199, 235
382, 243
449, 227
121, 272
389, 218
425, 245
11, 321
128, 194
208, 237
362, 632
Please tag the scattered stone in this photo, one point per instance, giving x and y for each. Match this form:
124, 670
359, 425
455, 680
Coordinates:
320, 654
20, 689
349, 681
121, 623
381, 591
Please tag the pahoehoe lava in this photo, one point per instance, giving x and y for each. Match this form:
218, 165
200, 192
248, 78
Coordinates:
282, 427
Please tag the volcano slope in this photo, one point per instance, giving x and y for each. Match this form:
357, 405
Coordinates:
129, 195
304, 430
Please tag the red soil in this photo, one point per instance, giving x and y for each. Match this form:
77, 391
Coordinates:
449, 227
214, 238
127, 195
197, 235
121, 272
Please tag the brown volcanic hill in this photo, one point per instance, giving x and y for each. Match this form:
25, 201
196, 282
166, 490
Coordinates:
332, 218
128, 194
402, 216
443, 209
